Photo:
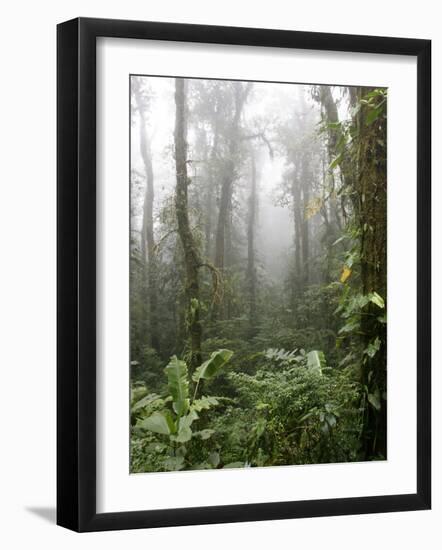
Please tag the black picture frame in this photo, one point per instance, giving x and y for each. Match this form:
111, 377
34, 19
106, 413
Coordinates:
76, 274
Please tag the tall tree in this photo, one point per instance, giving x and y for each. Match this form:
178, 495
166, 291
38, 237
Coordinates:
191, 257
362, 162
142, 101
251, 253
297, 229
240, 93
306, 184
371, 188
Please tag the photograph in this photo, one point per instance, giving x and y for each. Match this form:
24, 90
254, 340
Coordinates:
258, 273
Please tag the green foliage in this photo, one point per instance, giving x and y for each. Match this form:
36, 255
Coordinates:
212, 366
285, 413
305, 344
159, 422
152, 418
316, 361
178, 384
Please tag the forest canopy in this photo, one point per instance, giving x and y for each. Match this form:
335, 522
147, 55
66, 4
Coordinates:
257, 274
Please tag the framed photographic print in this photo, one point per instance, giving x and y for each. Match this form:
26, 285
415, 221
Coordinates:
243, 274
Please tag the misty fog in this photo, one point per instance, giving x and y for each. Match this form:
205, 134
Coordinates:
257, 273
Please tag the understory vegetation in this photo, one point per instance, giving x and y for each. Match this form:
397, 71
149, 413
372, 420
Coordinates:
258, 274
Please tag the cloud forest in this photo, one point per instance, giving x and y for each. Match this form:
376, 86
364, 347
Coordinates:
258, 274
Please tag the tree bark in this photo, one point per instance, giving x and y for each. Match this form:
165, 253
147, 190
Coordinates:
191, 256
371, 187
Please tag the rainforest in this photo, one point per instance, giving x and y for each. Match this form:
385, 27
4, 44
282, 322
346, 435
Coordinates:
258, 274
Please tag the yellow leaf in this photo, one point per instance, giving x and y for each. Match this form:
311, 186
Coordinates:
313, 207
346, 272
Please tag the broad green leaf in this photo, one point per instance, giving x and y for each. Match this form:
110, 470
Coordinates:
188, 419
158, 422
183, 436
212, 366
176, 372
315, 360
184, 433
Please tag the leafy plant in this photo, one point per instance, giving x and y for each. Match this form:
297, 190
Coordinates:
177, 422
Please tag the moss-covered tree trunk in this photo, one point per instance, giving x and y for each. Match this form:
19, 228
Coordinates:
371, 189
191, 256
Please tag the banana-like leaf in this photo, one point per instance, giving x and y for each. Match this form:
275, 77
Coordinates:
176, 372
159, 422
212, 366
183, 436
315, 360
184, 433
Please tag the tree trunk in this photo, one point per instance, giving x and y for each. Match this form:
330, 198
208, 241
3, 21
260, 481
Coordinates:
147, 232
240, 96
191, 257
210, 190
305, 240
330, 110
297, 224
372, 193
251, 267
